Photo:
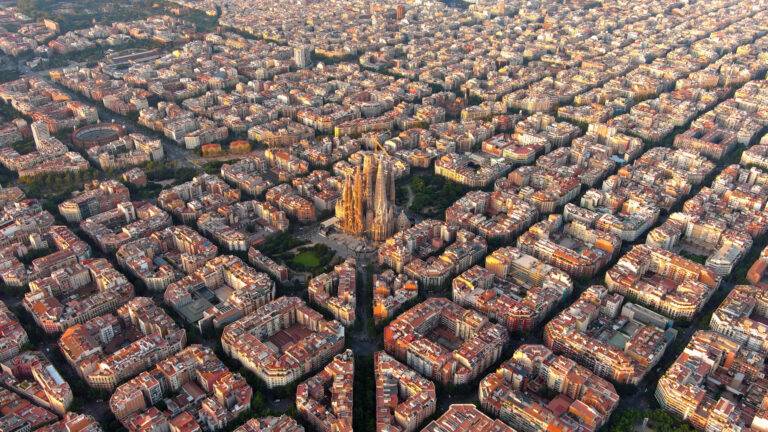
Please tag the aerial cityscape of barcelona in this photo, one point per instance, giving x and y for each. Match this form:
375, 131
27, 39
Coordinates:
384, 215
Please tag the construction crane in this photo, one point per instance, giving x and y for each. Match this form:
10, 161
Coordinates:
378, 147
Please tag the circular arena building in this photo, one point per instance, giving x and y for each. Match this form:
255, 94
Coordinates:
97, 134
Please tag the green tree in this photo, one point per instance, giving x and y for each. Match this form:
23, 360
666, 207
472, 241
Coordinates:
258, 403
418, 184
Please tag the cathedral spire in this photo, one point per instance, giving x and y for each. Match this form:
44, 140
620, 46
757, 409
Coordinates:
367, 200
383, 207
